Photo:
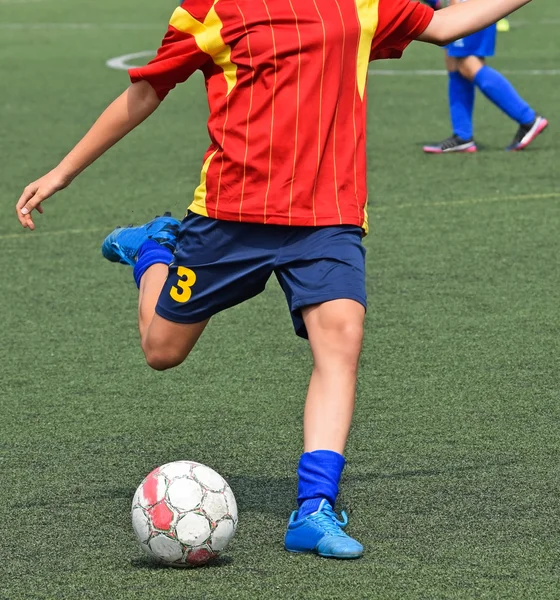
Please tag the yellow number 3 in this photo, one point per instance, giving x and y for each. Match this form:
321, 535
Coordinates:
182, 292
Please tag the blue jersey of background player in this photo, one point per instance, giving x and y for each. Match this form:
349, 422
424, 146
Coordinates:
465, 62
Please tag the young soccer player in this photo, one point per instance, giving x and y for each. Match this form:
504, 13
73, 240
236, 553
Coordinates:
283, 190
465, 61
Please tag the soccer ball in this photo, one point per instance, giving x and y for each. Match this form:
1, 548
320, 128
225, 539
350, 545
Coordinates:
184, 514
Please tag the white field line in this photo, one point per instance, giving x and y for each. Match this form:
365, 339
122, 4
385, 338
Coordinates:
19, 1
35, 234
442, 72
372, 209
468, 201
82, 26
124, 63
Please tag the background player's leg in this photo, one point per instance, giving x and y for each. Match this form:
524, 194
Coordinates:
461, 100
460, 93
501, 92
469, 66
496, 87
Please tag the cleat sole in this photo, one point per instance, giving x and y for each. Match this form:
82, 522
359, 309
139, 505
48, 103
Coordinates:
325, 554
434, 150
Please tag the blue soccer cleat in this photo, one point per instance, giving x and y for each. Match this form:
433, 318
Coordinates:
122, 244
321, 533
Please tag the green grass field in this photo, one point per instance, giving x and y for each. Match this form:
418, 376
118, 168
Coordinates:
453, 476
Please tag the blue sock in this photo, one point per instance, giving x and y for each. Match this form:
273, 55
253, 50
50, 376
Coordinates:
500, 91
319, 474
461, 105
150, 253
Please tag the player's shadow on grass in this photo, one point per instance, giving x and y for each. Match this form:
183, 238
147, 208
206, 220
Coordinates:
145, 562
261, 494
435, 472
276, 495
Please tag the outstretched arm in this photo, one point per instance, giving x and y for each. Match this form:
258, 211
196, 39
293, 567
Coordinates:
132, 107
462, 19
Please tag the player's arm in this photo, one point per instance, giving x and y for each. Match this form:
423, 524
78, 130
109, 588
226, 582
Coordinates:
177, 59
129, 110
461, 19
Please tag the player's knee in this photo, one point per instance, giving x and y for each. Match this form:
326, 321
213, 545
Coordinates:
466, 73
350, 336
161, 359
469, 67
343, 340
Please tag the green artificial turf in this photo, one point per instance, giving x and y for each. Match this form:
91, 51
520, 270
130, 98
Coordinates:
452, 482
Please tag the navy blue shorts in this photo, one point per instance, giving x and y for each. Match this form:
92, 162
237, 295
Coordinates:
218, 264
482, 43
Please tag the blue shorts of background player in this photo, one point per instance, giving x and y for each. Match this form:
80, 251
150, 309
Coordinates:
218, 264
465, 62
482, 43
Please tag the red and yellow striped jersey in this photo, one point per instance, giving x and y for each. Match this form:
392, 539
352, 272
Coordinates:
286, 83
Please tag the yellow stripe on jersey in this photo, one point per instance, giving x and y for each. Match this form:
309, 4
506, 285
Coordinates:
209, 39
365, 224
199, 204
368, 17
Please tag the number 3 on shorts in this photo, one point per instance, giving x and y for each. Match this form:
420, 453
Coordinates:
182, 292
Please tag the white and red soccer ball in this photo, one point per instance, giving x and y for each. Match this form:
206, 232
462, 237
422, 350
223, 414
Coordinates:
184, 514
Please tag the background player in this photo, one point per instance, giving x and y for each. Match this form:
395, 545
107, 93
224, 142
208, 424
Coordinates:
465, 63
282, 191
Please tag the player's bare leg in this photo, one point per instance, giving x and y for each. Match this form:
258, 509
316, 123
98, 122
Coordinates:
468, 66
335, 332
148, 249
149, 291
165, 344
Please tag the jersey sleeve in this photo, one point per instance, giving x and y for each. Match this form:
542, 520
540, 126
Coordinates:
399, 23
177, 59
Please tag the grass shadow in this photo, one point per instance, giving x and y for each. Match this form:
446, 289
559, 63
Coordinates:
264, 494
145, 562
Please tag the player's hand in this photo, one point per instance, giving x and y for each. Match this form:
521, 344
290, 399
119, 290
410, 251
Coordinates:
36, 193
